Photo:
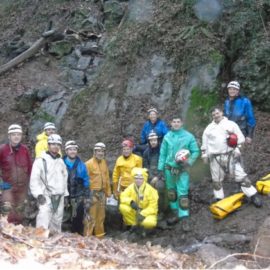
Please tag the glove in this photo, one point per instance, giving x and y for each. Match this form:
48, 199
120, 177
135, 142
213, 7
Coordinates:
5, 186
140, 218
115, 191
87, 204
134, 205
204, 158
41, 199
154, 180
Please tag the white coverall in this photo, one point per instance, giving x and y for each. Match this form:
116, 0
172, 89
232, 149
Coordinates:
49, 183
224, 159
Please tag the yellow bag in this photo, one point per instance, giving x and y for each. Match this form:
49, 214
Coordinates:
263, 185
224, 207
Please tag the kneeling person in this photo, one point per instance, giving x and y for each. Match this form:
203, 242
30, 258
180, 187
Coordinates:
139, 201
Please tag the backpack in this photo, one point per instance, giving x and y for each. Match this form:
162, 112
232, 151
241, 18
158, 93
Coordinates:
263, 185
224, 207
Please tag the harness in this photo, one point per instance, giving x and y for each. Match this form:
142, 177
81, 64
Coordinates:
55, 199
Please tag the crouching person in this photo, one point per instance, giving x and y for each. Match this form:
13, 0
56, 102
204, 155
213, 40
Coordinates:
78, 200
139, 202
48, 184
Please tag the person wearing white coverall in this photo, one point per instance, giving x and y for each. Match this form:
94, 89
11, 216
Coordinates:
223, 158
48, 184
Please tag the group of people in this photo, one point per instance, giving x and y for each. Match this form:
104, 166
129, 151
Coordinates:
146, 177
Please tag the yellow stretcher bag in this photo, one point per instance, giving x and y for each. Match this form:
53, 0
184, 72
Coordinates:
224, 207
263, 185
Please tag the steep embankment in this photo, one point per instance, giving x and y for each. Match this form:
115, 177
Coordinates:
121, 57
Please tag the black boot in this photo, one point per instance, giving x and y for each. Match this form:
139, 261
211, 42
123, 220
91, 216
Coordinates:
256, 200
185, 223
172, 220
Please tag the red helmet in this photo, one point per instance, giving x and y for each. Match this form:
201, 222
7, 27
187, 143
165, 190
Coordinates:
232, 140
127, 143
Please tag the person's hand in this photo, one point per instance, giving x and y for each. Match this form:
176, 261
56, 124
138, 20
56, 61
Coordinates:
134, 205
140, 218
87, 204
66, 201
116, 195
154, 180
41, 199
248, 140
204, 158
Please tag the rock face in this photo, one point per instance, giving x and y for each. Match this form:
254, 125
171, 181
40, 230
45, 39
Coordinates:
261, 244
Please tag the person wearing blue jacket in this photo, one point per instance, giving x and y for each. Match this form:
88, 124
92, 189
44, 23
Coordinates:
78, 200
239, 109
179, 150
154, 124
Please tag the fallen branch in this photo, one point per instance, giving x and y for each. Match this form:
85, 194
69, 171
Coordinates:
46, 37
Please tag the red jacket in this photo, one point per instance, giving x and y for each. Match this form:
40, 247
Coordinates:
15, 164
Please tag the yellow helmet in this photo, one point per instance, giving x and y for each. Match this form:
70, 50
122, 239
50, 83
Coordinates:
138, 172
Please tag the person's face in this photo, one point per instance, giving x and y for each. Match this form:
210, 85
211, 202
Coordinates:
72, 152
233, 92
217, 115
138, 180
153, 117
153, 143
50, 131
99, 154
176, 124
15, 138
126, 151
54, 148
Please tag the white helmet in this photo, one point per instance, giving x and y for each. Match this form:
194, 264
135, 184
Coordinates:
234, 84
182, 155
71, 144
55, 138
14, 128
152, 135
152, 109
49, 125
99, 146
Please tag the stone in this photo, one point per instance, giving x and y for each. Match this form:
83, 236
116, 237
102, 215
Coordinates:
26, 101
44, 92
84, 62
113, 13
60, 48
77, 77
261, 244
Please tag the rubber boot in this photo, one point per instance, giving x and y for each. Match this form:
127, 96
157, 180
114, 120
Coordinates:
185, 224
256, 200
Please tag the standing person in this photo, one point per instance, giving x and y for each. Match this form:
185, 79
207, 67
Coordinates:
150, 161
139, 202
15, 165
100, 188
78, 187
239, 109
48, 184
178, 152
122, 170
42, 138
221, 142
154, 123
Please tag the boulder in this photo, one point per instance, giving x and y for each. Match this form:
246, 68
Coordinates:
60, 48
113, 12
261, 244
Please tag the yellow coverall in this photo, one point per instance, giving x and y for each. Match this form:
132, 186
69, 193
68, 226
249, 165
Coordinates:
146, 198
100, 186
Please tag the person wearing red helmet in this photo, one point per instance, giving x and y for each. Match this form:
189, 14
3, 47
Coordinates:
122, 170
221, 142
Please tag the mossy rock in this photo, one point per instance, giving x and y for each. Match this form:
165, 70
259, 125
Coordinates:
61, 48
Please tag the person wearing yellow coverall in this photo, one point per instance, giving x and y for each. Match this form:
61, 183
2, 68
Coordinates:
42, 139
122, 171
139, 202
98, 171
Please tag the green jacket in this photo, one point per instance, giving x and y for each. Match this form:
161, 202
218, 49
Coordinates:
174, 141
